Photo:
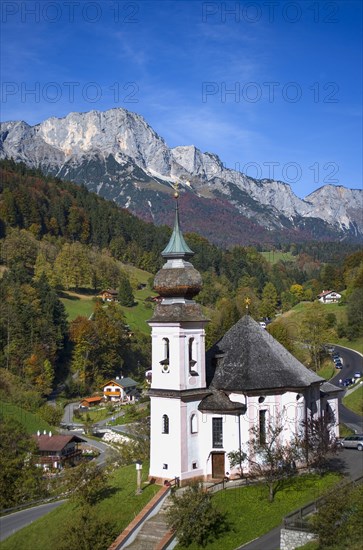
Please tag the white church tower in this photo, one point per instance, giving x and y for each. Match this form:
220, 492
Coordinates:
178, 365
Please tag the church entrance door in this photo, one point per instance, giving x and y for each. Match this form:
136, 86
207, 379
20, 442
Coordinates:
218, 465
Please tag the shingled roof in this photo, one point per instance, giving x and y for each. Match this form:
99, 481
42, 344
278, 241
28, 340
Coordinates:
55, 443
219, 402
250, 359
327, 388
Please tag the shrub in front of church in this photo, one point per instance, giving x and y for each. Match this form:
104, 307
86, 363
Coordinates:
194, 518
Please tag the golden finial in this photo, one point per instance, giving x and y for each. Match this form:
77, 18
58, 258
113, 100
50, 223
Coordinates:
247, 302
176, 188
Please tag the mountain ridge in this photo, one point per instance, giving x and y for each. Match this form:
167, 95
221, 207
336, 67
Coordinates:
118, 154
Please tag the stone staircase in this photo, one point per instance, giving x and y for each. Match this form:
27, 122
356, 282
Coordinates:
153, 530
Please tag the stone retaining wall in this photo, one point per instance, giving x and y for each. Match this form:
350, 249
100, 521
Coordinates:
291, 539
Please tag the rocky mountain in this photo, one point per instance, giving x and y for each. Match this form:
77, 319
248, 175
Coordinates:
118, 155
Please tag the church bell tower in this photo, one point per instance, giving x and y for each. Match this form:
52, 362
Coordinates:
178, 364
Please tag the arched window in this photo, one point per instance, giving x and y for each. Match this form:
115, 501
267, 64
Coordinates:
192, 361
166, 352
165, 424
193, 424
262, 427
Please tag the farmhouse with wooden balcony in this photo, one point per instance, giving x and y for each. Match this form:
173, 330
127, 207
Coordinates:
120, 389
56, 451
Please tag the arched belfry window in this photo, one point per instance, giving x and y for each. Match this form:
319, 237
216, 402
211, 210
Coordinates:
193, 424
165, 424
166, 355
191, 356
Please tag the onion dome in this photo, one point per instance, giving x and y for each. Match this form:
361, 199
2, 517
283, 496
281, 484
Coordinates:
184, 282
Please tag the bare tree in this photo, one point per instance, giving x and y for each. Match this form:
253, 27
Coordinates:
319, 441
270, 458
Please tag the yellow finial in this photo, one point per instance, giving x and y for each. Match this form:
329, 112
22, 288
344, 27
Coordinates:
176, 187
247, 302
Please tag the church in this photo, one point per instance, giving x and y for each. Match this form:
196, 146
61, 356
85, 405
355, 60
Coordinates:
203, 405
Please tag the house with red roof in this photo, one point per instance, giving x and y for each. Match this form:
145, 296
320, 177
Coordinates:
91, 401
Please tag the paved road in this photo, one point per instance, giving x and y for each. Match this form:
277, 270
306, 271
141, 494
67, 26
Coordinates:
352, 362
14, 522
102, 447
68, 412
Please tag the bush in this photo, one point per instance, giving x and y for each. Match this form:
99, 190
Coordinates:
52, 415
87, 531
194, 518
342, 330
339, 521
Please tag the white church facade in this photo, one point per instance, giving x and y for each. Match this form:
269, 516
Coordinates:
203, 405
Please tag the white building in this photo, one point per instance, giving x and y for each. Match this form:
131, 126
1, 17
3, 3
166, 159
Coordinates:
203, 405
329, 297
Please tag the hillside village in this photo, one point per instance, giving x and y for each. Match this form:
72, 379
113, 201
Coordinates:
83, 362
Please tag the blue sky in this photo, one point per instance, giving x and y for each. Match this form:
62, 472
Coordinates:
273, 88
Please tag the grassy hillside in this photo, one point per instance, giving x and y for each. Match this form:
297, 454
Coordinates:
77, 304
30, 421
354, 401
250, 515
294, 316
82, 302
274, 256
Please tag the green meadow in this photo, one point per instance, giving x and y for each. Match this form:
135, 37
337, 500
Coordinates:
30, 421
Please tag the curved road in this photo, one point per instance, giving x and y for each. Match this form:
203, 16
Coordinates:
352, 362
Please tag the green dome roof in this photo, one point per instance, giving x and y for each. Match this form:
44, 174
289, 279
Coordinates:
177, 247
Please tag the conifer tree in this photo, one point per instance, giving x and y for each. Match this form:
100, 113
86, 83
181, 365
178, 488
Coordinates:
269, 301
125, 294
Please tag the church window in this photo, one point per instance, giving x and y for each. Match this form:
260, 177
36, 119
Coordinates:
217, 432
262, 427
194, 465
165, 424
166, 352
193, 424
192, 362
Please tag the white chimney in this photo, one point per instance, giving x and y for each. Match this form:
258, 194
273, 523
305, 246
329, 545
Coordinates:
50, 434
38, 433
45, 432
